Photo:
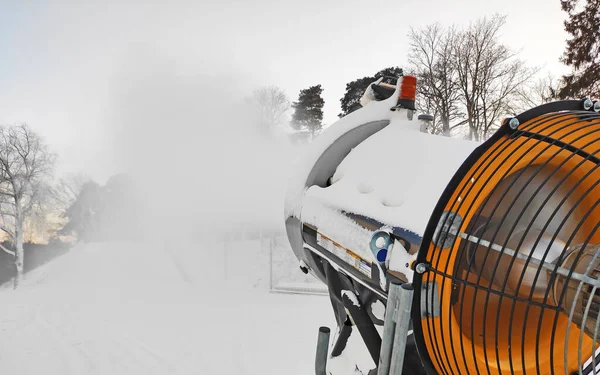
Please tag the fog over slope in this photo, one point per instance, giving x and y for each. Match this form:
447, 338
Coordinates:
199, 163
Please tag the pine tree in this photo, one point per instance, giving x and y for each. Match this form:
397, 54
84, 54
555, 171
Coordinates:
350, 102
583, 49
308, 110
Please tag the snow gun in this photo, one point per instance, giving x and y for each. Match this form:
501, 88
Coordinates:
446, 256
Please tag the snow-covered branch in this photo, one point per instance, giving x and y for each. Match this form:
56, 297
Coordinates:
7, 231
6, 250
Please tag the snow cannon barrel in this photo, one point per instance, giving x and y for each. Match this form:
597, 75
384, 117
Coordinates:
500, 240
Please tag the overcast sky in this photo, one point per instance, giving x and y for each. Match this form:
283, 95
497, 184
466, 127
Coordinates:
83, 74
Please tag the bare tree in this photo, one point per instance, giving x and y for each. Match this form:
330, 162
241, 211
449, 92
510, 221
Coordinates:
271, 104
501, 80
540, 91
489, 75
25, 166
467, 77
49, 215
37, 226
431, 59
67, 189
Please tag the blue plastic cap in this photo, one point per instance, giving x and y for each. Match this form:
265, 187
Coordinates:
381, 255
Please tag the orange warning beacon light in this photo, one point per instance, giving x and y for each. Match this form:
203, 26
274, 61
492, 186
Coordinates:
408, 90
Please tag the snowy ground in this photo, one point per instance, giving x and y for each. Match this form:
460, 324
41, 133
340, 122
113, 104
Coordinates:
124, 308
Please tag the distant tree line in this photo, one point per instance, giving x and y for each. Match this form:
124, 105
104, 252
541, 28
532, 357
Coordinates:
467, 78
270, 105
34, 209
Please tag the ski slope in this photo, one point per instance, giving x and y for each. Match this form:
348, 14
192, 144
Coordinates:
127, 308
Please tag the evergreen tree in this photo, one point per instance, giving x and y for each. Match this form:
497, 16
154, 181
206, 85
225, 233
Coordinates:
583, 49
83, 214
350, 102
308, 110
101, 213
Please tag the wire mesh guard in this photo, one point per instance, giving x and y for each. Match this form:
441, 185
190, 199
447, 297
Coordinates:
512, 255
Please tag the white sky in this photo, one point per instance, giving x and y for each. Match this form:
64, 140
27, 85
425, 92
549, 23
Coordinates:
83, 75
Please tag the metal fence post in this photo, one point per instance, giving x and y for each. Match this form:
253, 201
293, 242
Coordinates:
395, 329
322, 348
402, 324
389, 327
271, 246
